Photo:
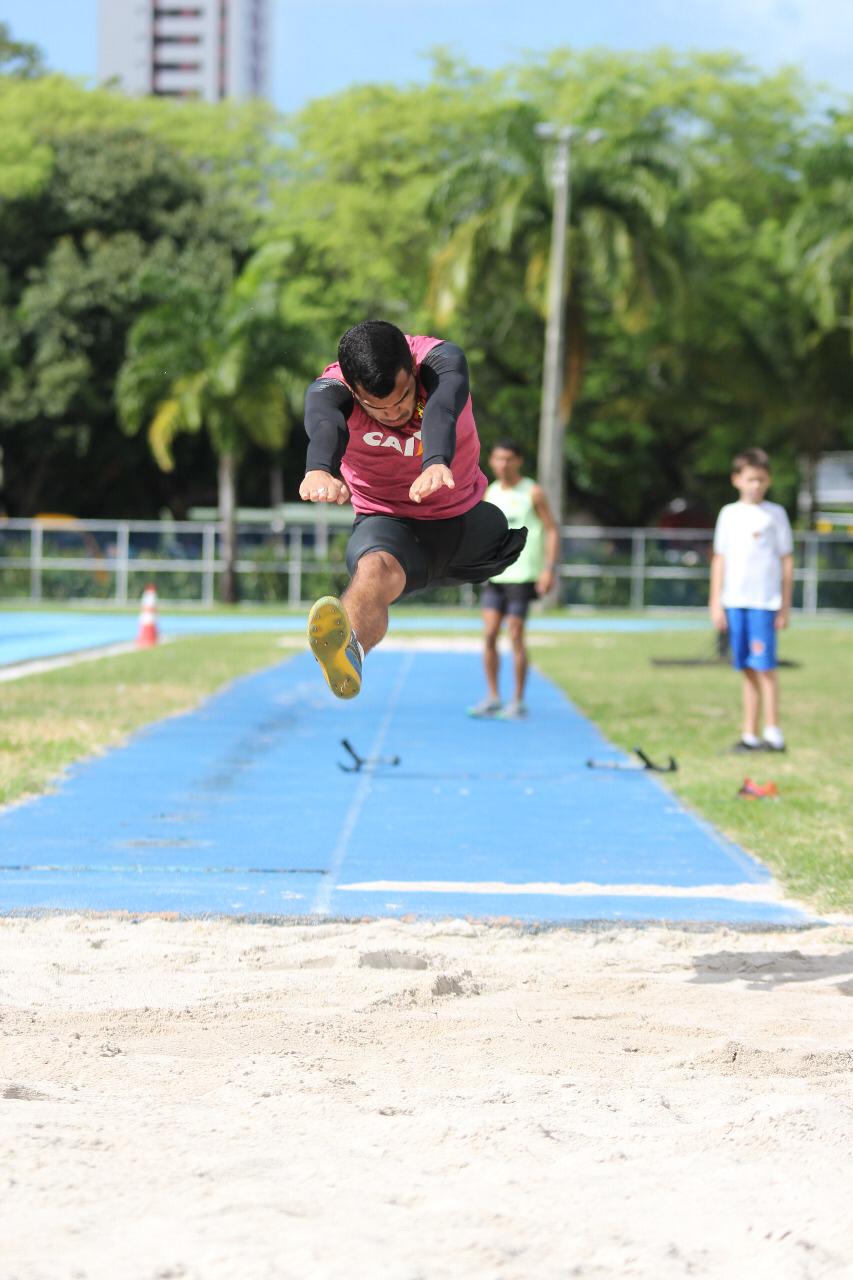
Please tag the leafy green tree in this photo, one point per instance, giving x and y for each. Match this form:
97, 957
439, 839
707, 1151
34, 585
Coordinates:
709, 250
354, 198
119, 211
431, 206
220, 362
235, 147
819, 235
730, 366
675, 291
496, 207
19, 59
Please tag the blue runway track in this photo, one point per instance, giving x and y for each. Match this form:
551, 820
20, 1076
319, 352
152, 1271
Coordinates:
28, 635
240, 808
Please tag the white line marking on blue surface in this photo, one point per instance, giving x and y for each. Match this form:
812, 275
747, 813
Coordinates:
35, 666
766, 892
321, 905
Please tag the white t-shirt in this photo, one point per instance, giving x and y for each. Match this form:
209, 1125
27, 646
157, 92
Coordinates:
752, 537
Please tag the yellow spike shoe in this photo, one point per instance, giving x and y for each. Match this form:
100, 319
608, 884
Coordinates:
334, 646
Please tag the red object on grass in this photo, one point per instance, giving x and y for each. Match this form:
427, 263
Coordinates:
759, 790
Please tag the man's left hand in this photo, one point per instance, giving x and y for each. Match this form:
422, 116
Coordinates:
436, 477
781, 619
545, 582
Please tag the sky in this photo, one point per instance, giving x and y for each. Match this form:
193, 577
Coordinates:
321, 46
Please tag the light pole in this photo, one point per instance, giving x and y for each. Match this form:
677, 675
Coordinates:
550, 459
551, 443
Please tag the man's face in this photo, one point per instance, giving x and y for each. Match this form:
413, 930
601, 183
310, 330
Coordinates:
505, 465
751, 483
395, 410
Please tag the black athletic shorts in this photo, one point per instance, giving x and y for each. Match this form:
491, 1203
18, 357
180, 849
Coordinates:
511, 598
468, 548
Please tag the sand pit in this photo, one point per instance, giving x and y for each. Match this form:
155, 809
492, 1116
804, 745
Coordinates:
209, 1099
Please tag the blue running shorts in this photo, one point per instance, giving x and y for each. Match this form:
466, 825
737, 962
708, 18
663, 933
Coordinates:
752, 636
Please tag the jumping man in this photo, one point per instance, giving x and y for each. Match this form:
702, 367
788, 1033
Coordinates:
391, 428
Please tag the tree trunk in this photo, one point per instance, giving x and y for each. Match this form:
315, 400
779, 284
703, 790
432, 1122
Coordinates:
812, 438
575, 359
276, 481
276, 501
228, 523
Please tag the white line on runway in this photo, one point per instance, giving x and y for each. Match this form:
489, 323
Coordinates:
321, 906
35, 666
769, 891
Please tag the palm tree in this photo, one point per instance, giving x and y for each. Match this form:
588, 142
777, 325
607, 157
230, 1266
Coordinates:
816, 265
495, 209
819, 240
222, 361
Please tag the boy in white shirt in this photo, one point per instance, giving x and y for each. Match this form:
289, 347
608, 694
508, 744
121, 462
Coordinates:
752, 574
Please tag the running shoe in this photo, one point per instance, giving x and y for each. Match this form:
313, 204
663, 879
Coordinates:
335, 647
515, 710
767, 745
740, 746
487, 709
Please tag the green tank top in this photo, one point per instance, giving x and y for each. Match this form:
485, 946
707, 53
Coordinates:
517, 505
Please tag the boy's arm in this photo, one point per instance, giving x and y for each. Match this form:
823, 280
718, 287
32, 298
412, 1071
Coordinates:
786, 547
718, 613
784, 614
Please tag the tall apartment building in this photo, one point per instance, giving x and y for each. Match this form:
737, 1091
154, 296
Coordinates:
210, 49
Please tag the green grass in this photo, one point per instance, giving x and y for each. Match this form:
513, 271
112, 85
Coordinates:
693, 713
48, 721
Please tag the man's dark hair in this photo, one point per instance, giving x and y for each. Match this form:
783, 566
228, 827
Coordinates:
371, 354
512, 446
750, 458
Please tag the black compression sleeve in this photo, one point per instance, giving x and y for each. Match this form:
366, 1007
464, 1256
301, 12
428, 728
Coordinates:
328, 404
444, 376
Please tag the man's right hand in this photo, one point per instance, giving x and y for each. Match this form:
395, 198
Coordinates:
319, 486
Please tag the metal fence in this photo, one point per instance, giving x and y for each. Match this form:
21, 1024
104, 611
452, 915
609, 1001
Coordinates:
292, 562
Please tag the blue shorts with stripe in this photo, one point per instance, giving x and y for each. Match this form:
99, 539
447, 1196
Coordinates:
752, 636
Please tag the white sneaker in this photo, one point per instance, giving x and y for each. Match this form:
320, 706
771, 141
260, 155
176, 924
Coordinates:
485, 709
514, 710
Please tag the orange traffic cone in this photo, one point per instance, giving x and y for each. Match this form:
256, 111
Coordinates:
148, 633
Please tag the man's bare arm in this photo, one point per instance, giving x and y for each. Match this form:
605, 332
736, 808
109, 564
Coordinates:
542, 507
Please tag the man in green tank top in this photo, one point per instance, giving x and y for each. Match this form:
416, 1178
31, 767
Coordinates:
533, 574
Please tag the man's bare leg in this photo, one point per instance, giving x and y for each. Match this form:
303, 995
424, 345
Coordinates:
378, 581
515, 627
491, 704
491, 657
340, 632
